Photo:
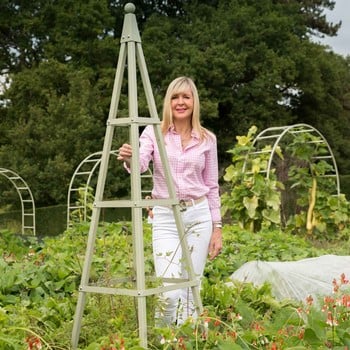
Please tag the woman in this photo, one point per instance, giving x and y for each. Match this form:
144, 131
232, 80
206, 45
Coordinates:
192, 155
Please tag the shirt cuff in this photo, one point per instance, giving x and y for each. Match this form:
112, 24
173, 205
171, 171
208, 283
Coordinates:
216, 215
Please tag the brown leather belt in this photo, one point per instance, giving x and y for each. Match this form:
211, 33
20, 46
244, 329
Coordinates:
184, 203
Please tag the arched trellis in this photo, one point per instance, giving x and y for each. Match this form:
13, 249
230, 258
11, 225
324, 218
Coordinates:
80, 182
274, 135
26, 198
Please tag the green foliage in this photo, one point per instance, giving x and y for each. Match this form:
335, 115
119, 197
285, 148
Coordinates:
330, 214
39, 283
266, 245
54, 123
51, 102
60, 58
345, 185
300, 193
14, 246
252, 200
84, 205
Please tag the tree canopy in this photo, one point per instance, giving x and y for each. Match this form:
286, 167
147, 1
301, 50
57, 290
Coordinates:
253, 61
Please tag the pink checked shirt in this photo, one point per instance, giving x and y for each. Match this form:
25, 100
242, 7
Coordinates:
194, 169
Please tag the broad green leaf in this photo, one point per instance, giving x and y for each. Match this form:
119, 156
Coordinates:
251, 204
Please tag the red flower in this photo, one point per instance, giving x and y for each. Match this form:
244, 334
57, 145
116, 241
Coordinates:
182, 344
301, 333
274, 346
256, 326
309, 300
335, 285
346, 300
232, 334
331, 321
343, 280
217, 323
328, 302
34, 343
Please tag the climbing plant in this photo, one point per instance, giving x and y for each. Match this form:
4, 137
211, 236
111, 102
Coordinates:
252, 200
320, 210
298, 195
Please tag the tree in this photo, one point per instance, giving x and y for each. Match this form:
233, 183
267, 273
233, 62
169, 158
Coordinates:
245, 57
54, 125
68, 31
253, 63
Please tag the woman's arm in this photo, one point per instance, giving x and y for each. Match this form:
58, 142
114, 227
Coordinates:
145, 151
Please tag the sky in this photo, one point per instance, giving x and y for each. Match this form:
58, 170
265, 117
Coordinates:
341, 43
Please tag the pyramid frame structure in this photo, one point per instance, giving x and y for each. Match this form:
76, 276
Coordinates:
131, 52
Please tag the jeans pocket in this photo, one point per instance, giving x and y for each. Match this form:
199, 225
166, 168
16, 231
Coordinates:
161, 214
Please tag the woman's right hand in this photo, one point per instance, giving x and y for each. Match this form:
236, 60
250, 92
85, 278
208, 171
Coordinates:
125, 153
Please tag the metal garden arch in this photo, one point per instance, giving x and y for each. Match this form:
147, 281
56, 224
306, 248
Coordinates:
274, 135
81, 180
26, 198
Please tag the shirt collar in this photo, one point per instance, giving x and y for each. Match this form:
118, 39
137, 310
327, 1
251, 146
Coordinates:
172, 130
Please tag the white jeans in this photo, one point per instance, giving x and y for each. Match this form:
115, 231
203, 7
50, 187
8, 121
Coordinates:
177, 305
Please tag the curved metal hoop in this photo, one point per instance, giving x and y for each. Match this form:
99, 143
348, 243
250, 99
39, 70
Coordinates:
26, 198
81, 180
273, 137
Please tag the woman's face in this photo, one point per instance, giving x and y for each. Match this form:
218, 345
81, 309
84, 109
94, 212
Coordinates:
182, 105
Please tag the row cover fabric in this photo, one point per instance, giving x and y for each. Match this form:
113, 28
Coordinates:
296, 279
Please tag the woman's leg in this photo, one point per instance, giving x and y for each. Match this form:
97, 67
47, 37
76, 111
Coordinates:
198, 223
167, 261
168, 258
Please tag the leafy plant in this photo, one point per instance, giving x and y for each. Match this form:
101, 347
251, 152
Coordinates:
322, 212
84, 204
299, 194
39, 285
252, 200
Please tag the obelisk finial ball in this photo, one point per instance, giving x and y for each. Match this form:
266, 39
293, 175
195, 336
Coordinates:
129, 8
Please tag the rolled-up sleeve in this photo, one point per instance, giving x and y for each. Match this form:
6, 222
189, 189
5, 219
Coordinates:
211, 177
146, 149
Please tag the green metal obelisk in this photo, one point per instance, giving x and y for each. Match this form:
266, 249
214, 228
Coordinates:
131, 52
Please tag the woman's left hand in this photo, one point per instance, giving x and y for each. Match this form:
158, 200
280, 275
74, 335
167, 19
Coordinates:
215, 245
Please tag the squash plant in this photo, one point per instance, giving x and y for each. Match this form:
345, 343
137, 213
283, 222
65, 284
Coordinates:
252, 201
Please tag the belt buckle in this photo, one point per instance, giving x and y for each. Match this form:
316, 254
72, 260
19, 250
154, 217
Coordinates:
182, 204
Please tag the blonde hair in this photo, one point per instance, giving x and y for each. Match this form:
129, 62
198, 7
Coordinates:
177, 86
